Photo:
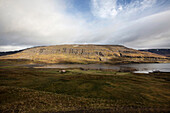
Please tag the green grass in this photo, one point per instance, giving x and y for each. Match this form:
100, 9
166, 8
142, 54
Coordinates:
48, 90
18, 61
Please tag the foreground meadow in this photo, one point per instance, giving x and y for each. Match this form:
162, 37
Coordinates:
77, 90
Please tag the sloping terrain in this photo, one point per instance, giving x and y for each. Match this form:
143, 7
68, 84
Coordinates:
165, 52
86, 54
31, 90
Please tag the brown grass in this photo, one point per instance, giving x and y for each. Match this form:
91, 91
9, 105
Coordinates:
48, 90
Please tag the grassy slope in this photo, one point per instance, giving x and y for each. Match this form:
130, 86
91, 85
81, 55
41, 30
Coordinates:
47, 90
17, 61
110, 54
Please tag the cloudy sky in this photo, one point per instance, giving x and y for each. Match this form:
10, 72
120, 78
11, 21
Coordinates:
133, 23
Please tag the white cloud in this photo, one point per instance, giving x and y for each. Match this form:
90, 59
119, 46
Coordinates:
110, 8
139, 24
150, 31
37, 22
12, 48
104, 8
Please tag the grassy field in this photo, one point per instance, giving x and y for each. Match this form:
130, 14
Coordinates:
48, 90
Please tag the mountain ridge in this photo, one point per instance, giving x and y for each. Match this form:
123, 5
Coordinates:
75, 53
165, 52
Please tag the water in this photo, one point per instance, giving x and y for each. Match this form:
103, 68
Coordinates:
150, 67
140, 68
84, 66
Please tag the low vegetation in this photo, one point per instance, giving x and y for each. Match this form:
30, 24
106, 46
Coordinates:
85, 54
78, 90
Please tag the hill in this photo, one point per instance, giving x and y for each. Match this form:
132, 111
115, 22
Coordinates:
165, 52
9, 52
86, 54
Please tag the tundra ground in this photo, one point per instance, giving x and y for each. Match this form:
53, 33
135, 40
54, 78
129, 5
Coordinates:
76, 90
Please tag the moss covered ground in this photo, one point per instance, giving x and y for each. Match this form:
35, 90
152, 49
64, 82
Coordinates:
48, 90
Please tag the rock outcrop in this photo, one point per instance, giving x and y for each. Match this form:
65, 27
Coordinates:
86, 54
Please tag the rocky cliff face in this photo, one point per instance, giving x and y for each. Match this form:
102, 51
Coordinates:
86, 54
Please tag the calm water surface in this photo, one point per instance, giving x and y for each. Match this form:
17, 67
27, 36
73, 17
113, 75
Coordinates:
141, 68
150, 67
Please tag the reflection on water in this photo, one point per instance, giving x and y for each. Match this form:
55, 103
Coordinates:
150, 67
84, 66
141, 68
